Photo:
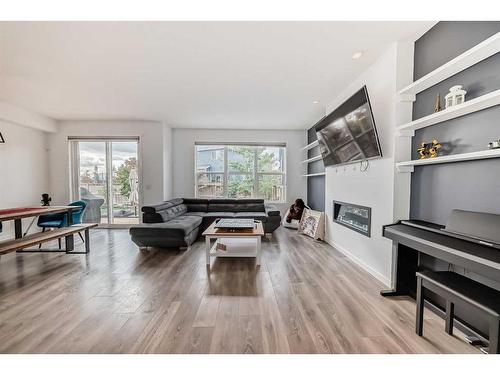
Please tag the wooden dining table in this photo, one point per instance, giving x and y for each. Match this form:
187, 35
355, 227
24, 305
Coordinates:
18, 213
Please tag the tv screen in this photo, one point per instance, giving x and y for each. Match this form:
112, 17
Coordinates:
348, 134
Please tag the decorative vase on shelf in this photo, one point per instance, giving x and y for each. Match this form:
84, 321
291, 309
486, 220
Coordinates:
456, 96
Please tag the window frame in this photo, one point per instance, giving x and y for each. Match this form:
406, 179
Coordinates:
255, 173
74, 163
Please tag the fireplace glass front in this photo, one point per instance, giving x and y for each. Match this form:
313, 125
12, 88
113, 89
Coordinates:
353, 216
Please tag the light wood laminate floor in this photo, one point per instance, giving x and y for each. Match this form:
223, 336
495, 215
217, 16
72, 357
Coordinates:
306, 298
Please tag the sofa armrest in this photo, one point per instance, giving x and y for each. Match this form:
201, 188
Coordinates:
151, 218
272, 210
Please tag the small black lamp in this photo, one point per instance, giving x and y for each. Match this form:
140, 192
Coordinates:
2, 140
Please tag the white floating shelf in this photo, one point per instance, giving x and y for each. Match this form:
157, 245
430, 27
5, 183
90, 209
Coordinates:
477, 104
313, 174
408, 166
479, 52
314, 158
310, 145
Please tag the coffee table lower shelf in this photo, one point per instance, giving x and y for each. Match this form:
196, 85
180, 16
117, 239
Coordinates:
237, 247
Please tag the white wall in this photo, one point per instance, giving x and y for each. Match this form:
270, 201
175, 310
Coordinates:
374, 188
23, 168
20, 116
168, 155
151, 151
183, 141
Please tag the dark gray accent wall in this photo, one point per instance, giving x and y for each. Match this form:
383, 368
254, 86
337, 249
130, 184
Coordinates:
446, 40
315, 185
474, 185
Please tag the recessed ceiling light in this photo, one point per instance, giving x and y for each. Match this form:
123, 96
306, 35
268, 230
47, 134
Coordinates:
316, 102
357, 55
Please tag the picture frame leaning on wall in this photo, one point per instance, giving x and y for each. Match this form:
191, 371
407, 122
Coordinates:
312, 224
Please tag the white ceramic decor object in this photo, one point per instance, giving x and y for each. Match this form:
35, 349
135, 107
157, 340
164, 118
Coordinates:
456, 96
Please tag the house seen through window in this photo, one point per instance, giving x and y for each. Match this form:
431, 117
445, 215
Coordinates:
241, 171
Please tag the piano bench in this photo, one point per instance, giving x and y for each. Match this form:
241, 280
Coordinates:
455, 288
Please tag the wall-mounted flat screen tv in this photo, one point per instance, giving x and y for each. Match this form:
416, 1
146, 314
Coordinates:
348, 134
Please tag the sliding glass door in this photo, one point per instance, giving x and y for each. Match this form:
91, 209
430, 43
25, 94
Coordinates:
105, 174
124, 185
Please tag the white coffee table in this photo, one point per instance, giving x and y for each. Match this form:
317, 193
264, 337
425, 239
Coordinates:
245, 243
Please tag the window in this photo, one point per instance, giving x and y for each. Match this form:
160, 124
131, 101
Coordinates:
241, 171
105, 173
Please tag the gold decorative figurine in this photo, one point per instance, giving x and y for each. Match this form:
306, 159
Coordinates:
423, 151
434, 149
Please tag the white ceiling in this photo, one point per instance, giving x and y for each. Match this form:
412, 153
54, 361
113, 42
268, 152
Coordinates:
262, 75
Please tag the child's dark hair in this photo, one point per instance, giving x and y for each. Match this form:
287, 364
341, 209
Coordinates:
299, 202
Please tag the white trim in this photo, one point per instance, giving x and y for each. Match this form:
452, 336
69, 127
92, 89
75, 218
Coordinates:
478, 53
263, 144
314, 158
314, 174
105, 138
109, 181
384, 280
74, 168
311, 145
141, 179
225, 177
477, 104
408, 166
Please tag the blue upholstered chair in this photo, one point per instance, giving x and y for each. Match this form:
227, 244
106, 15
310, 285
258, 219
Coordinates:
60, 220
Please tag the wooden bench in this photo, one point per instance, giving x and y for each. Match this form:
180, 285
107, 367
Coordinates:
19, 244
455, 288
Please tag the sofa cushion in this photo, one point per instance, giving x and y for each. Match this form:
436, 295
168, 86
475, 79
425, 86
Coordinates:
185, 223
219, 214
180, 226
251, 215
221, 205
190, 213
250, 205
172, 212
153, 208
195, 204
164, 211
236, 205
272, 210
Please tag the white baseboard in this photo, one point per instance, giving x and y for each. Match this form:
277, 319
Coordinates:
359, 262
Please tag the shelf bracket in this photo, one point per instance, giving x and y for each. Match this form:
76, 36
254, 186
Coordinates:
405, 168
406, 132
407, 97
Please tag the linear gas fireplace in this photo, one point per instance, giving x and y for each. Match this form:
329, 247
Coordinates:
353, 216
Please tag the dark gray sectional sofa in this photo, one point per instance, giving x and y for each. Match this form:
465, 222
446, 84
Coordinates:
179, 222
